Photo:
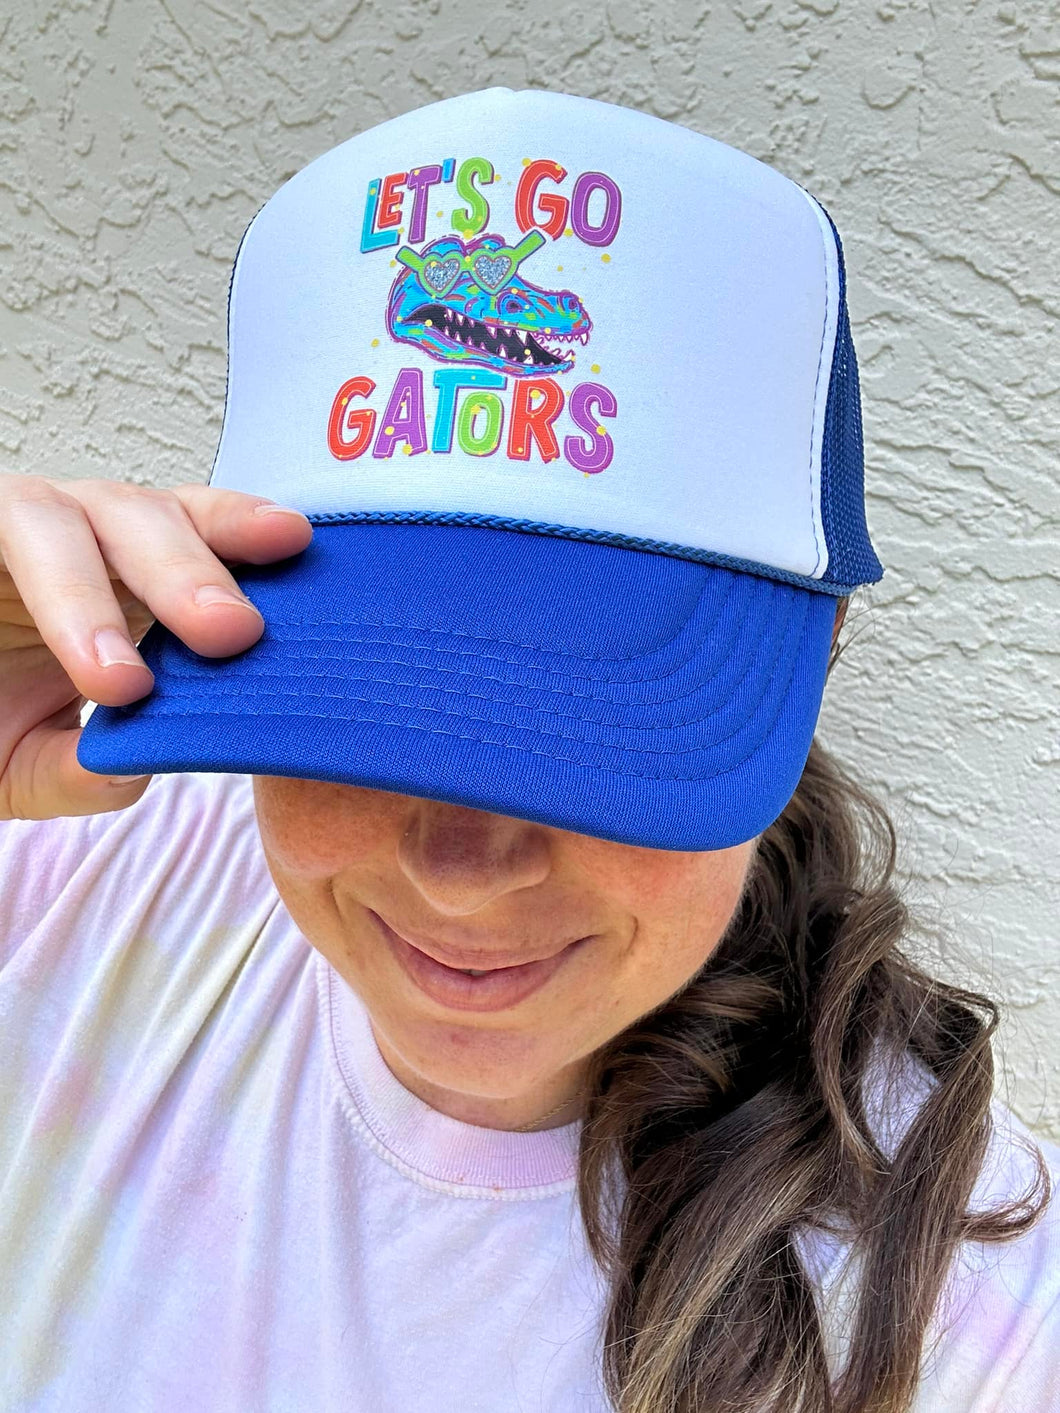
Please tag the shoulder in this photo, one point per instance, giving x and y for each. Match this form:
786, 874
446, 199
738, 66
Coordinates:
1020, 1169
993, 1343
995, 1339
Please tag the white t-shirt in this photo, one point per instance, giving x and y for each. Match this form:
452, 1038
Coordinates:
215, 1196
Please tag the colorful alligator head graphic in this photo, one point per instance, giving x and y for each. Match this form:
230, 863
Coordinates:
468, 304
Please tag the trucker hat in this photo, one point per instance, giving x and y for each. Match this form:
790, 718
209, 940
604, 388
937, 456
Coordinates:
569, 395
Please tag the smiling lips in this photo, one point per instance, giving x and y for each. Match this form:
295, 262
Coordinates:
463, 988
467, 961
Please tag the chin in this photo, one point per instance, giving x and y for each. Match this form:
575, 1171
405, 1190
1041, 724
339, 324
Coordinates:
469, 1057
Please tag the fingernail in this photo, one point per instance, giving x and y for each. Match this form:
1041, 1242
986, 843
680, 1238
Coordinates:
207, 594
127, 779
278, 510
113, 647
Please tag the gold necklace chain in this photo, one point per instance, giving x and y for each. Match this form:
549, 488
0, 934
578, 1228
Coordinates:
526, 1128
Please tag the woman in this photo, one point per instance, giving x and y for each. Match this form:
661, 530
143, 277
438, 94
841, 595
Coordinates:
603, 1080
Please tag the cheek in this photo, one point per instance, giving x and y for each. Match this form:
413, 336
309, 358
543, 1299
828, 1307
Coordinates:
684, 905
684, 890
313, 829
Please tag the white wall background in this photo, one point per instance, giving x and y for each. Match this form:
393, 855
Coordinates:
139, 138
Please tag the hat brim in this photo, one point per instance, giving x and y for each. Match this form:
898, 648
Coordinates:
620, 693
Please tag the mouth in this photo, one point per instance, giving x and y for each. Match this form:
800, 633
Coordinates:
520, 348
470, 961
474, 988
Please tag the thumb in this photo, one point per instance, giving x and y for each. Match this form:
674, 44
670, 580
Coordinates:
44, 780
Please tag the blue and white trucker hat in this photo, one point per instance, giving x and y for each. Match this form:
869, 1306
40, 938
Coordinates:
569, 395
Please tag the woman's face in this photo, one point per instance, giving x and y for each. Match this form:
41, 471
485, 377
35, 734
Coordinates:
504, 890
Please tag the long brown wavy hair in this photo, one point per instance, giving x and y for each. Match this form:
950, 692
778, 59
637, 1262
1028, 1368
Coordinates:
732, 1117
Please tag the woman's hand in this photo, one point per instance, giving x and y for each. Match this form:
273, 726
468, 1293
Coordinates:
85, 569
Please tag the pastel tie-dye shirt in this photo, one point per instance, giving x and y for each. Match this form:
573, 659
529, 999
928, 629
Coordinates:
214, 1195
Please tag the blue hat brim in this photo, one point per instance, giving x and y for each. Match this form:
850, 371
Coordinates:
628, 695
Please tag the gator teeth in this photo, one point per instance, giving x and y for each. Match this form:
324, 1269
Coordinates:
585, 338
523, 334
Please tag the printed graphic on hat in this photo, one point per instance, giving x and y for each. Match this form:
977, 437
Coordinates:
466, 300
470, 303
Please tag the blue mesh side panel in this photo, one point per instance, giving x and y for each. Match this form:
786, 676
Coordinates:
851, 558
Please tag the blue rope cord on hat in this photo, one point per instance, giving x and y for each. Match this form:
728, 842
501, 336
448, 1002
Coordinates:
568, 532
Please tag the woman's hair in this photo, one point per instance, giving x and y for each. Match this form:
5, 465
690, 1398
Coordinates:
732, 1117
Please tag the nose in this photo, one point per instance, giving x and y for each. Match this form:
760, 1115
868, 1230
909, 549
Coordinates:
569, 303
462, 859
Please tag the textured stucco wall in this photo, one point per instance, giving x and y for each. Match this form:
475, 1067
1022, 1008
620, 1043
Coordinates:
140, 136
